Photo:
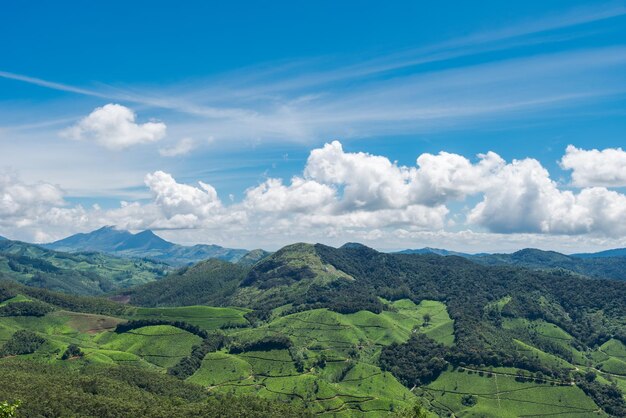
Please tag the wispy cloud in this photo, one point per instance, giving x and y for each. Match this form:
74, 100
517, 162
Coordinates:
51, 84
393, 93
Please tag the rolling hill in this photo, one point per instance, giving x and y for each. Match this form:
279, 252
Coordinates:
335, 332
609, 267
145, 244
84, 273
610, 264
616, 252
430, 250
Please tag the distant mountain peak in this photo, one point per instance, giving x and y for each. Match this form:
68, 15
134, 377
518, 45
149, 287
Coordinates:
145, 244
354, 245
106, 227
146, 240
147, 233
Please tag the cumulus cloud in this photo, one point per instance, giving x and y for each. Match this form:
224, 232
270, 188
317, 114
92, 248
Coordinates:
35, 208
300, 196
369, 182
341, 190
522, 198
451, 176
347, 194
182, 204
114, 127
594, 167
182, 147
20, 201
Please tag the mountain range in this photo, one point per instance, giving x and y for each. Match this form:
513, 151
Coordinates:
606, 264
617, 252
145, 244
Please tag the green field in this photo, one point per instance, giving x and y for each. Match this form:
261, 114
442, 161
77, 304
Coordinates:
161, 345
502, 396
340, 388
549, 333
348, 383
206, 317
17, 298
610, 357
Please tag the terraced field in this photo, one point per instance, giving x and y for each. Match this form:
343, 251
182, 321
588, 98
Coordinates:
332, 365
543, 331
501, 395
206, 317
340, 376
339, 388
611, 358
161, 345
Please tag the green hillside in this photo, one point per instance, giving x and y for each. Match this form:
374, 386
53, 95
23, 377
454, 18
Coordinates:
79, 273
207, 282
346, 332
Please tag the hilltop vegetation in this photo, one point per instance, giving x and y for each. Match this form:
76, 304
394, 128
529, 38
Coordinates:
208, 282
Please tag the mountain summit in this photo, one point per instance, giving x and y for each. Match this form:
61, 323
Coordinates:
145, 244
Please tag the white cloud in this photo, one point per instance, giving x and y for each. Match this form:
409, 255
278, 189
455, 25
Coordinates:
369, 182
19, 201
113, 126
594, 167
521, 198
342, 196
176, 199
300, 196
448, 176
182, 147
343, 190
35, 209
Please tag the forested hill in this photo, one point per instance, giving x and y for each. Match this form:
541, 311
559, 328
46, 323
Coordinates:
208, 282
468, 288
615, 252
608, 266
355, 277
84, 273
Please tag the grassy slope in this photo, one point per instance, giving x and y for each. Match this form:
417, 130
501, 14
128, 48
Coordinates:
502, 396
161, 345
203, 316
350, 383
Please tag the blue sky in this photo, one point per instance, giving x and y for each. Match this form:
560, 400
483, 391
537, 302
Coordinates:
238, 94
